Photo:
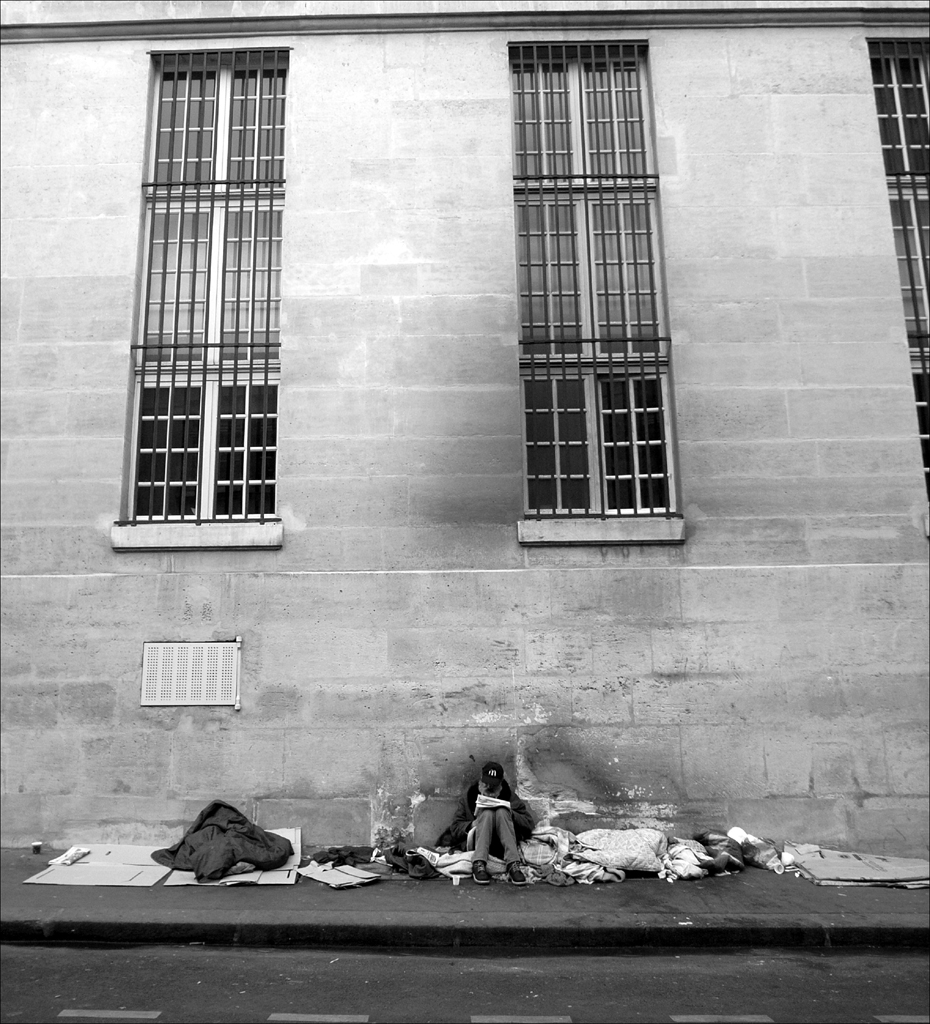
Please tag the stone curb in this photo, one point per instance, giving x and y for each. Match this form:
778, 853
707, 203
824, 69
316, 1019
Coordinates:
438, 931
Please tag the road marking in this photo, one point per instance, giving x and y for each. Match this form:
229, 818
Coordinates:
113, 1014
521, 1018
722, 1018
903, 1018
323, 1018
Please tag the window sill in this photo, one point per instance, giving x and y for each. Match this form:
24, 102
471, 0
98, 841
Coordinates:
242, 536
601, 531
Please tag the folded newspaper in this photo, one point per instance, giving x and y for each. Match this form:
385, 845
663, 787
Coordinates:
343, 877
484, 802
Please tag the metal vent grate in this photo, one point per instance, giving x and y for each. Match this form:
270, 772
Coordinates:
190, 673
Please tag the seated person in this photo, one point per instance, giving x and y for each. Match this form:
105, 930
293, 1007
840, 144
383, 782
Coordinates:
492, 819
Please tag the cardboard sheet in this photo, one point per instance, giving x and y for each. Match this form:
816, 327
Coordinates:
833, 867
83, 873
344, 877
284, 875
103, 853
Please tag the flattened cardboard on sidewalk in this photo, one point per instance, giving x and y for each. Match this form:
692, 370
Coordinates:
833, 867
83, 873
284, 875
343, 877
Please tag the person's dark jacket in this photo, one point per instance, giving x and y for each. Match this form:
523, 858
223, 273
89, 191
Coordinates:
456, 835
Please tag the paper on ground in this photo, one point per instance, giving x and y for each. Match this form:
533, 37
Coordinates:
284, 875
834, 867
343, 877
83, 873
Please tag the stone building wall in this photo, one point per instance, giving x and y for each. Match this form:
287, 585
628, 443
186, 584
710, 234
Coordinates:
770, 672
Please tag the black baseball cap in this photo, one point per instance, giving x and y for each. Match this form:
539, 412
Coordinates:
492, 773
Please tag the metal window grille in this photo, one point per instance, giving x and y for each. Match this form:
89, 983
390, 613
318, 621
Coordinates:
900, 73
190, 673
208, 359
594, 359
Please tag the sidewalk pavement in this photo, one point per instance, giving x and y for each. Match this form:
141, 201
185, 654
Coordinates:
754, 908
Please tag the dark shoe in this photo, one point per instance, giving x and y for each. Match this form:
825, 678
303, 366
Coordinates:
516, 875
479, 873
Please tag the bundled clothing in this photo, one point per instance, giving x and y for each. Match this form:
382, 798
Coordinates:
220, 838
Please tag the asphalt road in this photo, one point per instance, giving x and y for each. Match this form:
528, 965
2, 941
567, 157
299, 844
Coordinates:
218, 984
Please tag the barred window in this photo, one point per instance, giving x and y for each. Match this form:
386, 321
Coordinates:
594, 359
900, 70
208, 360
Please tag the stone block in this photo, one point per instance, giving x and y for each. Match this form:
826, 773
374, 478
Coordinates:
126, 762
22, 819
842, 412
479, 701
29, 705
331, 822
458, 314
326, 762
848, 758
850, 277
59, 248
346, 501
830, 232
890, 826
624, 651
336, 412
722, 460
506, 597
204, 765
310, 279
757, 179
752, 540
603, 700
88, 704
789, 770
42, 762
787, 62
736, 280
389, 279
552, 652
461, 499
455, 652
450, 127
680, 66
331, 316
734, 414
343, 703
606, 596
877, 538
739, 595
838, 124
695, 232
831, 182
867, 457
842, 318
445, 762
295, 654
37, 460
488, 546
447, 412
442, 361
724, 759
907, 746
431, 817
471, 274
748, 364
865, 592
543, 700
602, 764
807, 496
722, 124
694, 321
800, 819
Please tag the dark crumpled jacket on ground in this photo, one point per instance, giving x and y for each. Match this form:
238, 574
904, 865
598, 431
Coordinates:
456, 835
219, 838
354, 856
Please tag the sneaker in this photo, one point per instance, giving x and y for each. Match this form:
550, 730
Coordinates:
479, 873
516, 875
